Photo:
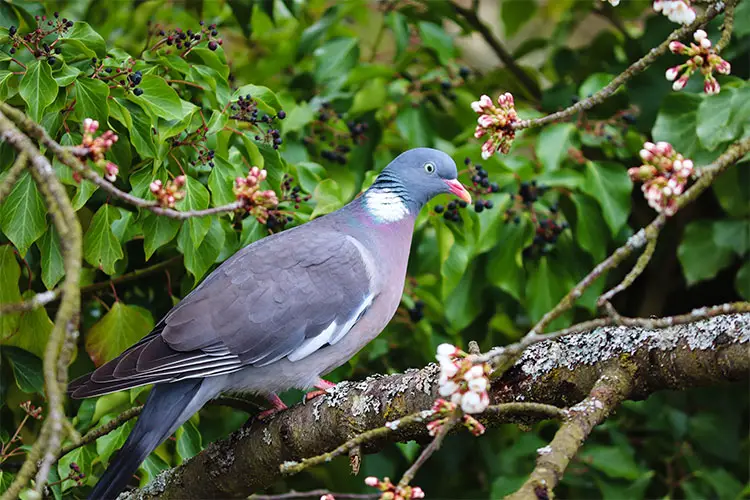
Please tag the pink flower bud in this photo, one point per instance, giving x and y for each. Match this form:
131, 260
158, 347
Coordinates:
723, 67
179, 181
649, 146
711, 86
672, 73
675, 47
416, 492
485, 121
646, 155
479, 132
155, 186
680, 83
372, 481
706, 43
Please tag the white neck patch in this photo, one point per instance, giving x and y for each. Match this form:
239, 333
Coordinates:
385, 206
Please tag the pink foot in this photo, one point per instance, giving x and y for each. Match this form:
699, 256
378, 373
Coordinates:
322, 386
277, 406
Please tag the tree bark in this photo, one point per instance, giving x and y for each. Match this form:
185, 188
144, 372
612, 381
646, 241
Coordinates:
561, 372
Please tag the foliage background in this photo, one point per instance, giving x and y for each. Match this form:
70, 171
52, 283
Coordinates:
482, 278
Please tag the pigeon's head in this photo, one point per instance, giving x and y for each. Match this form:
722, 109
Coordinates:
410, 181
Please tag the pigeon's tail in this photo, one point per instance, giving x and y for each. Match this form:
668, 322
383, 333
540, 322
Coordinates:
167, 407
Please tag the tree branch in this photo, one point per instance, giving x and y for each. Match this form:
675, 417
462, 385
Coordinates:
524, 79
557, 372
6, 186
634, 69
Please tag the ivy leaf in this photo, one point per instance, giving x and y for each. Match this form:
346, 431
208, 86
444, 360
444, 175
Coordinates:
544, 289
742, 280
199, 258
83, 458
610, 185
701, 253
107, 444
23, 214
677, 121
221, 180
34, 328
138, 123
27, 369
152, 467
101, 248
434, 37
188, 441
590, 228
553, 144
10, 273
65, 75
335, 58
414, 125
158, 97
266, 97
91, 100
157, 232
38, 88
86, 40
119, 329
611, 460
196, 198
505, 263
327, 197
515, 14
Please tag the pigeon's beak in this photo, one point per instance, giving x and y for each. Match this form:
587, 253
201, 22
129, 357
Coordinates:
458, 189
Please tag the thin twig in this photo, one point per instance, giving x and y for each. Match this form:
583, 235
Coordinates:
102, 430
638, 268
38, 300
316, 494
12, 176
726, 34
608, 392
66, 156
429, 450
636, 68
524, 79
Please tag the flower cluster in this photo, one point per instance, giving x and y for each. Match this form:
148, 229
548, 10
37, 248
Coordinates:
167, 195
701, 56
34, 412
664, 173
464, 384
257, 201
497, 122
392, 491
678, 11
97, 147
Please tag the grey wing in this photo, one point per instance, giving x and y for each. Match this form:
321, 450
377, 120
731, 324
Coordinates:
286, 296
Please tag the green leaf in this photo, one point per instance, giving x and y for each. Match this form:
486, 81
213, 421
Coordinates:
101, 248
109, 443
188, 441
27, 369
713, 117
85, 39
313, 34
217, 122
298, 118
465, 301
371, 96
22, 218
91, 100
221, 180
38, 88
309, 175
701, 253
677, 120
152, 467
157, 232
327, 197
590, 228
553, 143
612, 460
725, 484
159, 98
732, 188
198, 259
610, 185
83, 457
8, 85
335, 58
34, 328
593, 84
10, 273
196, 198
732, 234
742, 280
139, 126
434, 37
545, 287
65, 75
415, 127
515, 14
119, 329
505, 263
400, 28
267, 99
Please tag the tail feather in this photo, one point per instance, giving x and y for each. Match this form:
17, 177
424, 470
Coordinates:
168, 406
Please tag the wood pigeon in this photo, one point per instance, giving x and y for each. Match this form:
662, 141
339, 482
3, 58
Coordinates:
278, 314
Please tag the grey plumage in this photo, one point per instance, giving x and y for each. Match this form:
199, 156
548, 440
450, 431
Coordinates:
278, 314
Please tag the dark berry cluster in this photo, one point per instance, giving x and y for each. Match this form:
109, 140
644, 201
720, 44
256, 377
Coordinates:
426, 85
416, 313
75, 474
37, 41
547, 232
450, 211
123, 76
328, 133
246, 110
185, 41
291, 192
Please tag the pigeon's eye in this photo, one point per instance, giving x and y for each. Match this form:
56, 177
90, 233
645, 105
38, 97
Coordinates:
429, 167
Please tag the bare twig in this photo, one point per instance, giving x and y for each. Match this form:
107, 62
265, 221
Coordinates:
634, 69
102, 430
6, 186
67, 157
524, 79
639, 267
429, 450
611, 389
38, 300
